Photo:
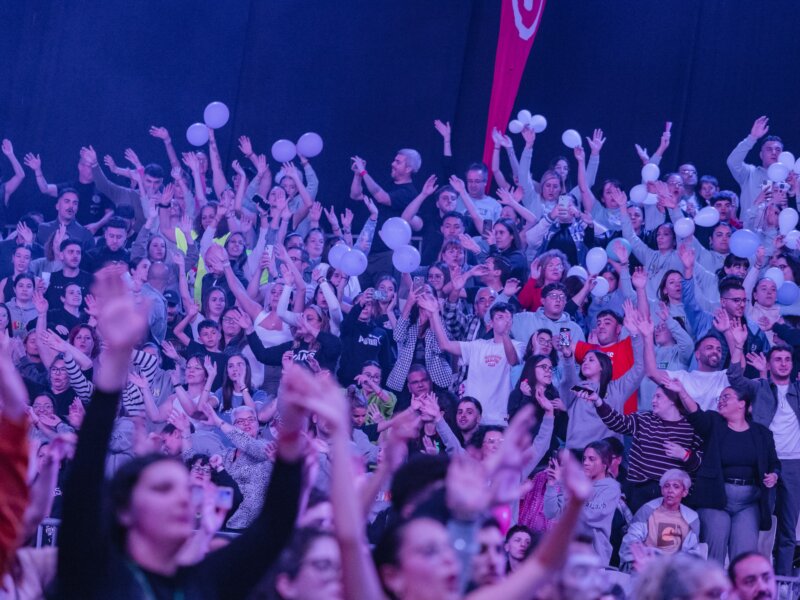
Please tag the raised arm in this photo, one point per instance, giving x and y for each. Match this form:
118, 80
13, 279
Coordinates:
431, 304
34, 163
410, 212
162, 134
84, 539
19, 173
217, 174
458, 186
736, 159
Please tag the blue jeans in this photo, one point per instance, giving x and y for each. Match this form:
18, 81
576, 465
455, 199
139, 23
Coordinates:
735, 529
787, 510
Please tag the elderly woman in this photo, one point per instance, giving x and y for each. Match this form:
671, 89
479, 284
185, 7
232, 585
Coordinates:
664, 525
248, 462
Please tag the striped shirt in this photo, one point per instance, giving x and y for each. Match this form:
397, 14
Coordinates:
648, 460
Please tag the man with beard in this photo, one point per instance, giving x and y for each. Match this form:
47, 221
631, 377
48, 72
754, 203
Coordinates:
66, 211
752, 577
705, 383
468, 419
489, 564
733, 300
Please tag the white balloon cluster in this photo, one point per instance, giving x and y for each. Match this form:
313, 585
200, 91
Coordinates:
215, 115
779, 171
525, 119
309, 145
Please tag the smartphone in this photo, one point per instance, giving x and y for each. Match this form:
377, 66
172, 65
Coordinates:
564, 201
417, 284
580, 388
487, 226
564, 337
197, 494
225, 497
379, 295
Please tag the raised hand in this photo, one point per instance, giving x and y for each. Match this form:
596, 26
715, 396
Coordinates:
160, 133
542, 400
262, 166
347, 219
190, 160
642, 154
687, 255
512, 287
40, 303
359, 164
596, 141
7, 147
738, 332
529, 135
467, 491
76, 413
133, 158
468, 243
120, 322
443, 128
760, 127
33, 162
639, 278
722, 321
458, 185
429, 187
579, 153
630, 321
237, 168
315, 212
89, 155
497, 137
428, 302
245, 146
645, 324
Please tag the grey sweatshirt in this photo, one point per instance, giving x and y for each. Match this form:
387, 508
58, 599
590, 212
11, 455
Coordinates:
597, 513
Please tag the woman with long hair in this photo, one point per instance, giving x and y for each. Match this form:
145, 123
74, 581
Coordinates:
137, 533
237, 389
732, 488
598, 512
594, 376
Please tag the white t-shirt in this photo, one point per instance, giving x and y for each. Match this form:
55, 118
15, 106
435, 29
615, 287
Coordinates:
489, 377
487, 207
704, 386
785, 428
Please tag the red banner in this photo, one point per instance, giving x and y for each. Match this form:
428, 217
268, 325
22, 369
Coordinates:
519, 22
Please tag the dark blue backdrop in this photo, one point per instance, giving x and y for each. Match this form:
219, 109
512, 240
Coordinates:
370, 77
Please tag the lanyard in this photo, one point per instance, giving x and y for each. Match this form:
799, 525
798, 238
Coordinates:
149, 594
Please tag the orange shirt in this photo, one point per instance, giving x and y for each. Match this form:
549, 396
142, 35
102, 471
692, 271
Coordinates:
621, 355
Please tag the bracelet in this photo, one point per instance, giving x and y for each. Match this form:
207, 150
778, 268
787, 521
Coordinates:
687, 455
363, 173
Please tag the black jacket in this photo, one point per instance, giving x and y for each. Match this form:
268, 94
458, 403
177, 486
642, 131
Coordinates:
708, 488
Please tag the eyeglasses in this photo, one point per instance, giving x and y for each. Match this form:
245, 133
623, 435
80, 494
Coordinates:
229, 320
247, 421
546, 367
58, 370
557, 297
204, 469
736, 300
323, 565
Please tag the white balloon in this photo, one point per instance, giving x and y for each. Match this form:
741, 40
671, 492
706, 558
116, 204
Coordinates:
600, 288
216, 115
787, 220
791, 239
787, 158
406, 259
797, 166
638, 193
579, 271
516, 126
707, 217
524, 116
396, 232
354, 263
650, 172
309, 144
538, 123
777, 172
776, 275
684, 227
283, 151
651, 199
336, 253
571, 138
197, 134
596, 259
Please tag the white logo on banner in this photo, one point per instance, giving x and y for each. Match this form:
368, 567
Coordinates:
526, 32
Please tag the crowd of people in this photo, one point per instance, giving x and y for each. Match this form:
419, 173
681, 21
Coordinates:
209, 405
